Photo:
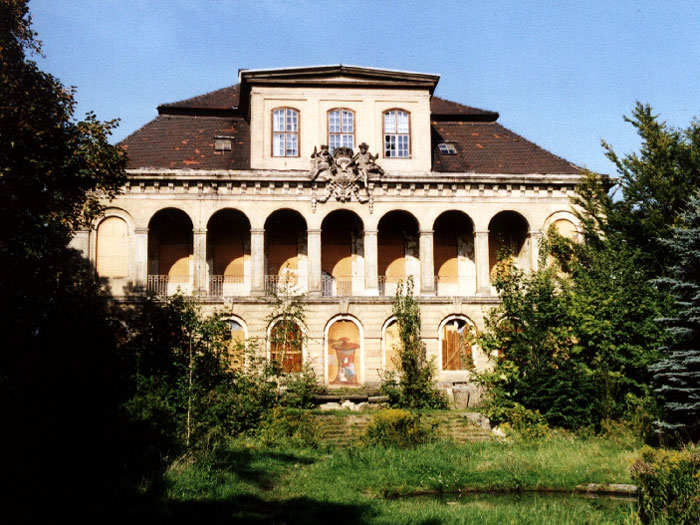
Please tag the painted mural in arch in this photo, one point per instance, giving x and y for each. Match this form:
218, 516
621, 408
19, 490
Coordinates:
343, 352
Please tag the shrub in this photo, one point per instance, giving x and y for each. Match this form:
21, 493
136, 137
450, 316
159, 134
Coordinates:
296, 427
529, 424
396, 427
669, 485
300, 388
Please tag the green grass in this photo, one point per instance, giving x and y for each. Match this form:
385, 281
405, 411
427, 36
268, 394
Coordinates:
245, 482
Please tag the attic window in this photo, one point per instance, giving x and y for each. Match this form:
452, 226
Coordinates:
222, 144
447, 149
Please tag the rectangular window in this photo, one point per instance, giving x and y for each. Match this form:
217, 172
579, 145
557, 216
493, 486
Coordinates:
285, 133
397, 136
447, 149
341, 129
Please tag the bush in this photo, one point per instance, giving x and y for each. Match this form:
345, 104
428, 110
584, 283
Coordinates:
669, 485
300, 388
396, 427
527, 423
296, 427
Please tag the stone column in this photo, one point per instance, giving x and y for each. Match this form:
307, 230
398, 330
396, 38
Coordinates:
313, 251
371, 263
427, 267
140, 257
199, 253
535, 238
257, 264
481, 257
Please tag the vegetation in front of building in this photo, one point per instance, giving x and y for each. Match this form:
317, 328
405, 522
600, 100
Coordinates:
414, 384
669, 485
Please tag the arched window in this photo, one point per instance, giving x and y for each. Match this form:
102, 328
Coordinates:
341, 129
391, 344
457, 340
285, 132
286, 345
237, 345
397, 135
344, 352
112, 248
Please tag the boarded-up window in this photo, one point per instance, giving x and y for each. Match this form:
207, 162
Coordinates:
112, 248
565, 228
457, 341
286, 346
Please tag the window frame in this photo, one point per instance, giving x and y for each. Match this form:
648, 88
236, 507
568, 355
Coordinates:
342, 132
468, 324
285, 133
396, 133
301, 352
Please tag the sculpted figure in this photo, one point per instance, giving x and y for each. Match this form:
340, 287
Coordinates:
322, 161
365, 163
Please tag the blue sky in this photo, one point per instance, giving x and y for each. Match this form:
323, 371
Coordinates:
561, 74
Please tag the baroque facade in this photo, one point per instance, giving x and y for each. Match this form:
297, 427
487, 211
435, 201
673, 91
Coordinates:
338, 181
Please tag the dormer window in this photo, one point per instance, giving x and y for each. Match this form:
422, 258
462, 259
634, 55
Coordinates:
341, 129
447, 148
397, 136
285, 132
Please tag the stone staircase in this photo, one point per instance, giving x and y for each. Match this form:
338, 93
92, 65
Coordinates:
345, 429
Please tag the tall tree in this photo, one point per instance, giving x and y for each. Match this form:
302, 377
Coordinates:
57, 380
677, 376
655, 183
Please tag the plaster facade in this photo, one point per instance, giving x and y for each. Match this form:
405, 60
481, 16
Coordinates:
229, 231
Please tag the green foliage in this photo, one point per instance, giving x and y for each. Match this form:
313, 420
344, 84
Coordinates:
289, 426
573, 345
676, 375
415, 387
300, 388
656, 184
58, 371
395, 427
179, 370
528, 424
668, 486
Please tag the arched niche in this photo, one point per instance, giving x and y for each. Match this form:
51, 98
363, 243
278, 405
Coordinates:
170, 251
112, 250
344, 352
457, 342
390, 345
285, 250
285, 343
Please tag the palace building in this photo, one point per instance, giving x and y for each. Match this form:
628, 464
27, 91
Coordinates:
337, 182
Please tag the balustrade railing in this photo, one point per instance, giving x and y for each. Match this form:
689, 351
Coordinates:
387, 285
289, 283
342, 286
227, 285
169, 284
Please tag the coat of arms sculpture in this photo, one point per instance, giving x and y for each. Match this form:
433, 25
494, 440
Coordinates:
345, 174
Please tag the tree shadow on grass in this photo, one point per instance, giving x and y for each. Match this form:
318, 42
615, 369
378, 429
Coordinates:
251, 477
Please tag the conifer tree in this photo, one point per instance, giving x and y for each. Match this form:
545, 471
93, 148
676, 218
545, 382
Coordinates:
677, 377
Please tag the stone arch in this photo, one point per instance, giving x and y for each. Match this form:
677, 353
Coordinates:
113, 246
342, 254
397, 250
390, 337
453, 254
228, 253
286, 344
344, 351
451, 343
239, 336
509, 230
285, 250
170, 251
566, 223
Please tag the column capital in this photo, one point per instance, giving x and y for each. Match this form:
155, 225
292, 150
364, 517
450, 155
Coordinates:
314, 231
536, 233
426, 232
257, 231
140, 231
481, 232
199, 232
371, 232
